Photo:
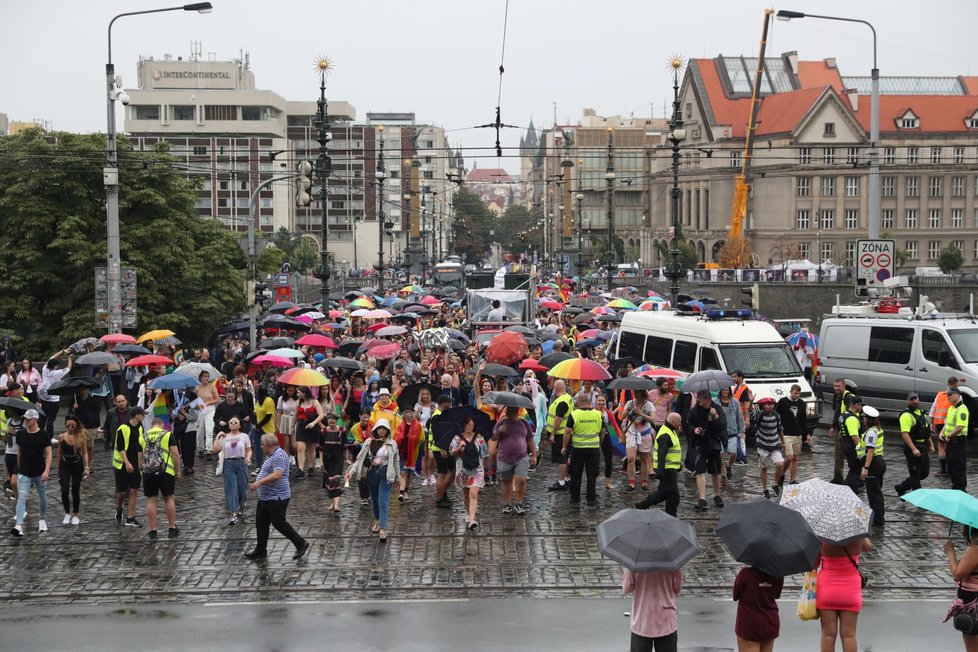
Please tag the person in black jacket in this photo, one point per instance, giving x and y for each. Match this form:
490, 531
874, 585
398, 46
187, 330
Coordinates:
706, 428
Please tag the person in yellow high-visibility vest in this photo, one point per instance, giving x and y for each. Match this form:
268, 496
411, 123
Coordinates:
668, 462
955, 436
937, 416
163, 481
584, 430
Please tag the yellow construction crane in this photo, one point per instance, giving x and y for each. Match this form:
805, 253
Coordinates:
737, 252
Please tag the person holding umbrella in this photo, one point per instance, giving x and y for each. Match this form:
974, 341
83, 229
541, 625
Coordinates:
706, 428
443, 461
964, 571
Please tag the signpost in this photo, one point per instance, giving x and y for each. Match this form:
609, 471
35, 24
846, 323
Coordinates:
128, 297
875, 263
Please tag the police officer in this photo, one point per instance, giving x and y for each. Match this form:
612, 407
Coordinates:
560, 406
850, 440
841, 400
668, 462
955, 437
872, 466
916, 444
584, 430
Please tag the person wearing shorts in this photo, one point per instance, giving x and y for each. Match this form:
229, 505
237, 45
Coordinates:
512, 445
125, 462
163, 482
444, 463
638, 415
770, 439
794, 423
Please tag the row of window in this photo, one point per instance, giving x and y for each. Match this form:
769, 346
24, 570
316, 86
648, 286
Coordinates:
210, 112
888, 155
825, 218
934, 247
888, 184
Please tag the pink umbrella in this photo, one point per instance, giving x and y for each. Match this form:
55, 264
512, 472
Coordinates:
602, 310
335, 313
589, 333
385, 351
117, 338
317, 340
305, 319
429, 300
377, 314
274, 360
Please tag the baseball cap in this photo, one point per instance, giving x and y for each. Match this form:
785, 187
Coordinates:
912, 395
31, 414
385, 391
871, 412
952, 390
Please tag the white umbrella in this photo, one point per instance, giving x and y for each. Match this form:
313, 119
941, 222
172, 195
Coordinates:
196, 368
833, 511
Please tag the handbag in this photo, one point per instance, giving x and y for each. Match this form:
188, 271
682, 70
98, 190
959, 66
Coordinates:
806, 609
862, 578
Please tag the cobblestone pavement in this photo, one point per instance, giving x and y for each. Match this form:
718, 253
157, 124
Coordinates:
549, 552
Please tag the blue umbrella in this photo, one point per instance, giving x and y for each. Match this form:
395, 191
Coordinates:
795, 339
958, 506
389, 301
173, 381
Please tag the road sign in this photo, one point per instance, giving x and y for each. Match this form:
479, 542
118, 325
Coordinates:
875, 263
282, 280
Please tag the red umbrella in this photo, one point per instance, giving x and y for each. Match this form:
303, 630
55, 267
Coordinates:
532, 365
117, 338
429, 300
376, 327
552, 305
507, 348
146, 360
386, 351
335, 313
315, 339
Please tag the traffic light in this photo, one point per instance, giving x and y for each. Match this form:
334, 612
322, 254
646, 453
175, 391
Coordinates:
754, 292
303, 184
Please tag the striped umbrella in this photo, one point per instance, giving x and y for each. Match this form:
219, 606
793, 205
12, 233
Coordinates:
305, 377
362, 302
579, 369
603, 310
621, 304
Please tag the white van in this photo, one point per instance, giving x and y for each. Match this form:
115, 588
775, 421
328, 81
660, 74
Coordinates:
889, 357
693, 342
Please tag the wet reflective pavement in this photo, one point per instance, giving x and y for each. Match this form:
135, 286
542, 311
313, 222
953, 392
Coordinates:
550, 552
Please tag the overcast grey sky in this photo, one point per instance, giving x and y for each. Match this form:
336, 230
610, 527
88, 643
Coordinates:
440, 58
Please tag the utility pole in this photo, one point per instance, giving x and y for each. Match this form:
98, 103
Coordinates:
381, 217
324, 167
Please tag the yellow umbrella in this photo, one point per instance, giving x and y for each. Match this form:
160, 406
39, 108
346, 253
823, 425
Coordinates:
155, 335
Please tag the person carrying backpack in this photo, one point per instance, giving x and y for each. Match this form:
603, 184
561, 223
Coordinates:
159, 461
470, 449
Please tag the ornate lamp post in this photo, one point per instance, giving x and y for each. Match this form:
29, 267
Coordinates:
324, 167
675, 271
609, 176
381, 217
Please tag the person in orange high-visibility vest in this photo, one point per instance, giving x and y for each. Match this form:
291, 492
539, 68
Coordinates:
937, 417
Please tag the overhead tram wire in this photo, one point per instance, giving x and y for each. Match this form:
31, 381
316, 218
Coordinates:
498, 123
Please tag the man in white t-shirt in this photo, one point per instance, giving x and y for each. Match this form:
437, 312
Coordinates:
805, 354
498, 313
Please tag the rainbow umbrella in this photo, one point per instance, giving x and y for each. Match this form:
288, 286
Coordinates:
603, 310
621, 304
411, 289
362, 302
579, 369
655, 303
305, 377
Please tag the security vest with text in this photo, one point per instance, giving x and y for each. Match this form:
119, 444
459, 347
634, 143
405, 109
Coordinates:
587, 429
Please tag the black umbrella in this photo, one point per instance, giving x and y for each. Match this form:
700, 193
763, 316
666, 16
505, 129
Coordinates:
281, 321
409, 395
457, 345
97, 357
712, 380
9, 403
407, 317
573, 310
493, 369
483, 424
584, 318
632, 383
545, 334
301, 310
276, 343
551, 360
233, 327
775, 539
349, 347
131, 349
613, 318
71, 385
509, 399
282, 306
644, 540
342, 363
521, 329
443, 432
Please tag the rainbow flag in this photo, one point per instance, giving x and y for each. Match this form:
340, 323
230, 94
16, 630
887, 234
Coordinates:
162, 411
617, 441
410, 439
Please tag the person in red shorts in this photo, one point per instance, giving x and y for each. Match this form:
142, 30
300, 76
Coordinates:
839, 597
758, 620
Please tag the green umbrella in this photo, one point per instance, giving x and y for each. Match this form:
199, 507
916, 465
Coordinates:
958, 506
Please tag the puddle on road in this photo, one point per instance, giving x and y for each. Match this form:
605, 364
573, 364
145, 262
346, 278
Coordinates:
153, 613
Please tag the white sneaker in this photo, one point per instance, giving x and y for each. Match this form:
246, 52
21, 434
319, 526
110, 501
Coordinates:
67, 520
17, 530
42, 525
75, 520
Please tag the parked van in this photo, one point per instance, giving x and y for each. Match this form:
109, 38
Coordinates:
889, 357
691, 342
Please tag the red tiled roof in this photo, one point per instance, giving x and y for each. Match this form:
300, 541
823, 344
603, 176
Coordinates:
937, 113
488, 174
725, 111
970, 84
781, 113
812, 74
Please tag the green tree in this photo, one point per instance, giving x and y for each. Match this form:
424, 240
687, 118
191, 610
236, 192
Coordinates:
285, 240
271, 259
950, 259
687, 253
52, 233
599, 249
471, 226
304, 256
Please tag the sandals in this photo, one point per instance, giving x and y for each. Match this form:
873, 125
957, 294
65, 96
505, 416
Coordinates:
473, 525
376, 528
382, 536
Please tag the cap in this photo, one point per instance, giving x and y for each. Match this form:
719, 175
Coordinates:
912, 395
137, 411
384, 391
31, 414
767, 400
319, 357
381, 423
952, 390
855, 399
871, 412
443, 398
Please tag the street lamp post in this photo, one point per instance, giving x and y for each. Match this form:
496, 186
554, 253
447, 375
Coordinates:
381, 177
110, 174
323, 168
874, 120
609, 176
675, 270
580, 232
818, 236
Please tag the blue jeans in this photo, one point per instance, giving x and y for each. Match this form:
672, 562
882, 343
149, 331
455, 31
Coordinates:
24, 488
380, 493
257, 454
235, 483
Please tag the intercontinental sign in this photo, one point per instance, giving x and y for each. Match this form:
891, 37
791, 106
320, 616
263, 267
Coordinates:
188, 74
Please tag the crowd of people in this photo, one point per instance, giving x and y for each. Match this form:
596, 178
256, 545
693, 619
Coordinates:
400, 401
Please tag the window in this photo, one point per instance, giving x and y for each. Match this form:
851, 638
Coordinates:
337, 203
200, 150
908, 121
735, 159
957, 186
146, 112
803, 219
890, 344
935, 155
852, 186
828, 186
428, 144
976, 249
427, 160
958, 155
826, 218
933, 249
243, 185
394, 174
828, 250
183, 112
658, 351
428, 174
829, 130
266, 202
828, 155
911, 249
910, 187
852, 218
202, 202
910, 218
850, 254
852, 155
253, 113
934, 218
805, 250
913, 155
708, 359
889, 155
886, 218
888, 188
222, 185
222, 203
959, 245
935, 186
972, 122
957, 218
220, 112
805, 155
243, 202
804, 187
932, 344
631, 345
684, 357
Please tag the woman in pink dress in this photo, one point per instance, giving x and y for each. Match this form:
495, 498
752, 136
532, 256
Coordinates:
839, 596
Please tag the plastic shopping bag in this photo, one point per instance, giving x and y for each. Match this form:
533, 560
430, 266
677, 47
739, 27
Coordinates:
806, 600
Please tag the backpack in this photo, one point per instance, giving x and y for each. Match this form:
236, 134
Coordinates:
153, 455
471, 456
